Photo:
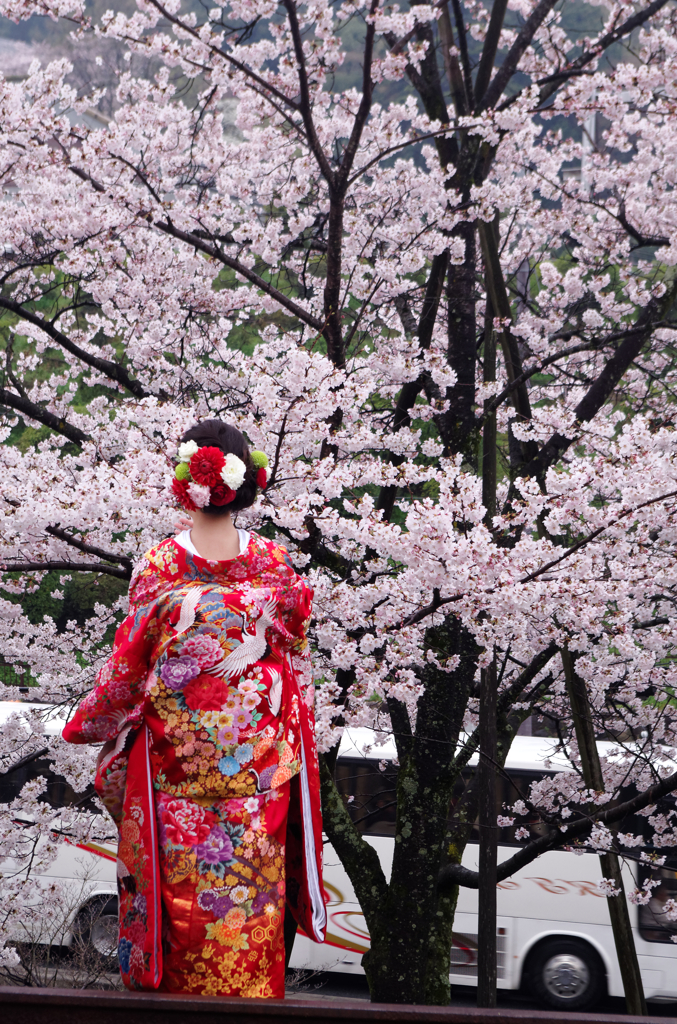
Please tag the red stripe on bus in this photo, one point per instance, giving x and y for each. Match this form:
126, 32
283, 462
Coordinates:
98, 851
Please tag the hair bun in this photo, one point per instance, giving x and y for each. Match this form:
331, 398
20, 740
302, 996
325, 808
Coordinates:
215, 433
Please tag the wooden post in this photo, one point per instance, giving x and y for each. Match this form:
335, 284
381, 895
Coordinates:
486, 924
489, 432
619, 914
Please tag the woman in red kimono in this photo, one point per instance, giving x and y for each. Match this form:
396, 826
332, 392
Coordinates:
209, 766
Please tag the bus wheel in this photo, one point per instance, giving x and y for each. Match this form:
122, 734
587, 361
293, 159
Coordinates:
95, 930
566, 974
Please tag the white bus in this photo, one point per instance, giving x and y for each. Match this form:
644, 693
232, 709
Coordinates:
87, 907
553, 932
554, 937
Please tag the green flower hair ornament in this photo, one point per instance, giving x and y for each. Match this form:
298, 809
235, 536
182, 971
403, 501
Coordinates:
260, 459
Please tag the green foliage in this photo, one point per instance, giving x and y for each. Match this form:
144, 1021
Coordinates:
75, 600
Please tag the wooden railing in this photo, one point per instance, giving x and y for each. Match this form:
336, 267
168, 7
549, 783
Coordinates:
66, 1006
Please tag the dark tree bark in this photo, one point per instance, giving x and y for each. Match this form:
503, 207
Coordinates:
458, 426
402, 965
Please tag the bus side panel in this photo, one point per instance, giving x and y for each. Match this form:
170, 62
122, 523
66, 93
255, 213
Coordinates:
347, 935
556, 895
93, 862
83, 871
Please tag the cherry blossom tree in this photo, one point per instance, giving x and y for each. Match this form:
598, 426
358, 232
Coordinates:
442, 300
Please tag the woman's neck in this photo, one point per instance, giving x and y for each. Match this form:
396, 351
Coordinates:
214, 537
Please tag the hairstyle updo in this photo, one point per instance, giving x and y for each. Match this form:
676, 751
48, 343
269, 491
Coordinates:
231, 441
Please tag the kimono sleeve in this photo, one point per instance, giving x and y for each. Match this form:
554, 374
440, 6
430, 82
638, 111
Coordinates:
297, 622
296, 603
118, 695
297, 614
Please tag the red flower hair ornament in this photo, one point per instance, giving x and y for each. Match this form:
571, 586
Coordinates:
206, 465
207, 475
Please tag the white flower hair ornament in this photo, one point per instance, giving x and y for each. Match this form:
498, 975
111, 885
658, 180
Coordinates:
205, 476
187, 450
233, 472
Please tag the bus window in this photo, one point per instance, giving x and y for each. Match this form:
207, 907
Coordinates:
654, 926
371, 798
58, 793
374, 801
510, 787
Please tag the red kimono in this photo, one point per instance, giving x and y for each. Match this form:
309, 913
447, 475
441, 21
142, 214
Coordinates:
213, 781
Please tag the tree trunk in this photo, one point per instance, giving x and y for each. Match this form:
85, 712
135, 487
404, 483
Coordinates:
440, 941
621, 926
408, 961
457, 426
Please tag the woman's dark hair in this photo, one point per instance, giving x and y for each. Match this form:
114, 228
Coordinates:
217, 434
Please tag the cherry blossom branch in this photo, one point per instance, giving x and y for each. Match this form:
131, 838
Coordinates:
314, 546
439, 602
25, 760
185, 236
565, 353
239, 65
641, 240
500, 301
616, 366
366, 101
410, 391
595, 533
398, 47
44, 416
619, 216
196, 242
304, 106
430, 609
660, 620
515, 54
599, 47
88, 549
424, 75
456, 873
451, 64
338, 187
508, 697
280, 440
602, 387
46, 566
490, 48
559, 78
439, 133
115, 371
459, 19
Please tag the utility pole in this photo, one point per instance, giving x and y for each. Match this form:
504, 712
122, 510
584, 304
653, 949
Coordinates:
486, 924
592, 776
